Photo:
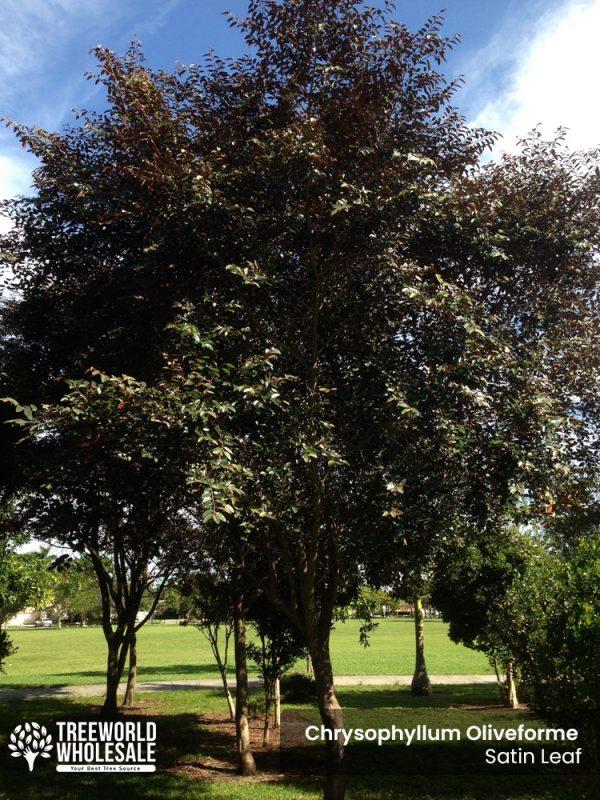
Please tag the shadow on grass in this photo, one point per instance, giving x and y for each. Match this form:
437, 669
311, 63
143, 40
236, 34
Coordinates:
146, 672
442, 696
149, 672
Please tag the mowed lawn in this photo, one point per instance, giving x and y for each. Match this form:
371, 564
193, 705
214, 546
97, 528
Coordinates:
51, 657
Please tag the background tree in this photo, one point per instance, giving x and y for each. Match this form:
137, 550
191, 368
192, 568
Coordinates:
474, 580
552, 625
76, 597
378, 602
24, 581
172, 605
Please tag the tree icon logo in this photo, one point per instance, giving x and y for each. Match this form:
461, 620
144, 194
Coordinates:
30, 741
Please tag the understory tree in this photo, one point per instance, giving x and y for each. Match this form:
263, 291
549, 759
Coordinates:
278, 648
222, 589
209, 605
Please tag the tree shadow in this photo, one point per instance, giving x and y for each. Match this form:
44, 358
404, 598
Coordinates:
442, 696
146, 673
151, 672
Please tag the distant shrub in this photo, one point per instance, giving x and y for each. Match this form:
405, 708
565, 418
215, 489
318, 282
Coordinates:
6, 648
255, 709
297, 687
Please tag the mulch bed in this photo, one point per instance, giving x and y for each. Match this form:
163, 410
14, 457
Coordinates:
224, 768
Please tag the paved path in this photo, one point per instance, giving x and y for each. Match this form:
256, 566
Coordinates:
96, 690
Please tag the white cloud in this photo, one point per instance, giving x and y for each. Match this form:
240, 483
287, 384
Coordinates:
34, 37
43, 55
15, 175
15, 178
34, 33
553, 78
154, 21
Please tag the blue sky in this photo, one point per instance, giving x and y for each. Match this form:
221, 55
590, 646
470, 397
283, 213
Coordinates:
524, 62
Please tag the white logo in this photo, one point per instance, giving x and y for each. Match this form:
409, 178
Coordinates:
30, 741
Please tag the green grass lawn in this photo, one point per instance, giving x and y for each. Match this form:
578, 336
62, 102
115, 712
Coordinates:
196, 757
50, 657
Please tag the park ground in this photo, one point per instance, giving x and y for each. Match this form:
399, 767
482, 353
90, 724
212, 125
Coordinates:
196, 757
51, 657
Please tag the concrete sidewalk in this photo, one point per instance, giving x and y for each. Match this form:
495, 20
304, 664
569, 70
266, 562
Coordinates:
96, 690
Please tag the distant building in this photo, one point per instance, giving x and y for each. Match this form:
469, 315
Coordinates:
31, 615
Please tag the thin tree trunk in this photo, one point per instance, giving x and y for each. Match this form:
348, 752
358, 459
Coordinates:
499, 681
211, 632
277, 703
223, 671
242, 726
223, 668
331, 717
512, 701
267, 722
268, 686
132, 676
421, 685
230, 703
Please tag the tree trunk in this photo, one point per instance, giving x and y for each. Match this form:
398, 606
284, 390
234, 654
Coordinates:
332, 718
230, 703
421, 685
118, 647
512, 701
223, 673
213, 638
267, 722
113, 678
242, 726
277, 723
132, 677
